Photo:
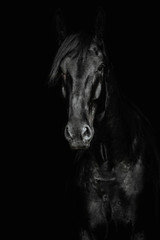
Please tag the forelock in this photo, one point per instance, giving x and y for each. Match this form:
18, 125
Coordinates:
75, 44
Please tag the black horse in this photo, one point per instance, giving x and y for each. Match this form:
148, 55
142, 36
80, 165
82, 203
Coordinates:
114, 187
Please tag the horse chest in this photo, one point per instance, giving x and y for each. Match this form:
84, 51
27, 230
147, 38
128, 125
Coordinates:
124, 194
113, 193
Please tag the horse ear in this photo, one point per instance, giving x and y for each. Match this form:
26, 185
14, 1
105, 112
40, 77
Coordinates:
60, 26
100, 25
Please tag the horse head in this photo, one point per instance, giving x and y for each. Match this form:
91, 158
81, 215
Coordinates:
82, 64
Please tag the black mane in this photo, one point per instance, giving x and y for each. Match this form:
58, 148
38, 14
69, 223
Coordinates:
77, 43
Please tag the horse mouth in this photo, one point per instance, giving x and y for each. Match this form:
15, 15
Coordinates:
79, 145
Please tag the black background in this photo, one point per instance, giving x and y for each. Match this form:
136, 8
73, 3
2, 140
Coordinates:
132, 31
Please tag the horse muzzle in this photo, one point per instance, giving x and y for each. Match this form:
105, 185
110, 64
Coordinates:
79, 137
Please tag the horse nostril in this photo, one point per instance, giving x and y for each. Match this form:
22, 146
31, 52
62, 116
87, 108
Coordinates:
86, 133
68, 133
78, 135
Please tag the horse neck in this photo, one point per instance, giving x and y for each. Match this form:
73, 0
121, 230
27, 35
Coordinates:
113, 134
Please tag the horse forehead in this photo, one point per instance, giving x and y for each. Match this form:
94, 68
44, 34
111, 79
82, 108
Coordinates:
83, 66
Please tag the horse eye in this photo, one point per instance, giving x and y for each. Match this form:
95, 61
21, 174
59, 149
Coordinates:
101, 67
65, 75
